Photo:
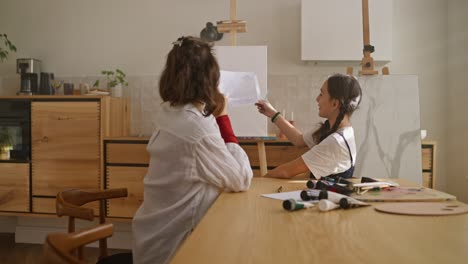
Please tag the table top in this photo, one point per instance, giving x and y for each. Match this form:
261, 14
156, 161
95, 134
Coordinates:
247, 228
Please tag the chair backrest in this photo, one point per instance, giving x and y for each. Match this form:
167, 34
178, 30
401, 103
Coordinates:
69, 202
59, 247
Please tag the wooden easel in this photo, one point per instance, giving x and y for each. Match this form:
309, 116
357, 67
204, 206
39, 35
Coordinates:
232, 26
367, 61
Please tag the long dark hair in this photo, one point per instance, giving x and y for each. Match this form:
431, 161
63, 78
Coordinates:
347, 91
191, 75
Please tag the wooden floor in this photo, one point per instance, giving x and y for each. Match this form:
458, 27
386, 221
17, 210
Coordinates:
18, 253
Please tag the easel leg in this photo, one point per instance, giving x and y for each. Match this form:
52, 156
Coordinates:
262, 158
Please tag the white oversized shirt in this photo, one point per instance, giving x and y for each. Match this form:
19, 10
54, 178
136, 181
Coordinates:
331, 155
189, 165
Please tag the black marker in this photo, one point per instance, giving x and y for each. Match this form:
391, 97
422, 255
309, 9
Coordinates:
346, 204
311, 184
292, 205
310, 194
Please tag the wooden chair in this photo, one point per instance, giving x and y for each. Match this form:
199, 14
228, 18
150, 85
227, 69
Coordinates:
59, 247
69, 204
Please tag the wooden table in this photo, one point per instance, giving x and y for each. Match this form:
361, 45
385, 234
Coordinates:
247, 228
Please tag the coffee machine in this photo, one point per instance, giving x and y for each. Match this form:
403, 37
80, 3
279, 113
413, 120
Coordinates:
29, 70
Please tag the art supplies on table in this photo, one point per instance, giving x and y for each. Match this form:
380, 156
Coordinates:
326, 205
336, 198
293, 205
339, 185
404, 194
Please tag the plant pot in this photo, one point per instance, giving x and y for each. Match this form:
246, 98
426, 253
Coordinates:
116, 91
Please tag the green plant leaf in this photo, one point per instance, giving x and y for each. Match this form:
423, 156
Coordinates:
96, 84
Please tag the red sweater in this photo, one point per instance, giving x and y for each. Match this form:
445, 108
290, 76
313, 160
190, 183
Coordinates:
226, 129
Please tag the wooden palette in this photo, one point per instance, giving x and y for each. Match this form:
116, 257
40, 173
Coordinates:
422, 208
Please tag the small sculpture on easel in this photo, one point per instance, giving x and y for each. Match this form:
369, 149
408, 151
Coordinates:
214, 33
367, 61
232, 26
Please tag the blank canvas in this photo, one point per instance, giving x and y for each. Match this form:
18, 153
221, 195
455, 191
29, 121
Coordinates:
245, 119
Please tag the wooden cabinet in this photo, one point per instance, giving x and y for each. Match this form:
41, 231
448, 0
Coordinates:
126, 164
66, 149
65, 146
428, 163
277, 153
14, 187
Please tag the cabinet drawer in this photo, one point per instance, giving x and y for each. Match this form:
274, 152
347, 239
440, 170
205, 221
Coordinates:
427, 158
47, 206
125, 177
280, 154
14, 187
126, 153
427, 179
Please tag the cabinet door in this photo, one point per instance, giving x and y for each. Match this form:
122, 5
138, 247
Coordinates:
14, 187
130, 178
65, 146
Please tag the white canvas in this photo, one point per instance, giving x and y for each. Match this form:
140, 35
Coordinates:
245, 119
387, 128
332, 29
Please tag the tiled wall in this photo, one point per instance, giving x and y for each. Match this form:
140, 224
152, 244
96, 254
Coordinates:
386, 125
287, 93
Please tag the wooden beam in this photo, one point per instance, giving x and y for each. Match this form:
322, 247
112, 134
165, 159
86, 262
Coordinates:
367, 62
232, 26
233, 10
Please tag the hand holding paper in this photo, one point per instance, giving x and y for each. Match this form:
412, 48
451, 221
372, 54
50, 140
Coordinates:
265, 108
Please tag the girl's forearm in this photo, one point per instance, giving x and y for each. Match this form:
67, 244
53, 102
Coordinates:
291, 132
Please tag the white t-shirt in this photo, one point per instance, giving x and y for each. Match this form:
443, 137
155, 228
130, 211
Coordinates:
189, 165
331, 156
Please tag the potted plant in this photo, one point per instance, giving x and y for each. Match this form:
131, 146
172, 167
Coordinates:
115, 80
5, 47
6, 143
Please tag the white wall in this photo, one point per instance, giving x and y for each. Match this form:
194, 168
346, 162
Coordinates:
420, 48
79, 38
457, 154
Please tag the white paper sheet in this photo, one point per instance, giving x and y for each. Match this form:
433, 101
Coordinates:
241, 88
296, 195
